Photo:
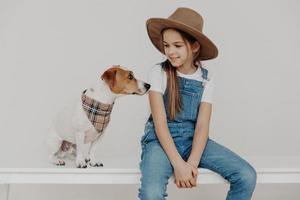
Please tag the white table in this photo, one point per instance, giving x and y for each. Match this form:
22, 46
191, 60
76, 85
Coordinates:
280, 170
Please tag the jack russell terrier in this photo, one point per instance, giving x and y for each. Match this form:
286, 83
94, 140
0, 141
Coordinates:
77, 128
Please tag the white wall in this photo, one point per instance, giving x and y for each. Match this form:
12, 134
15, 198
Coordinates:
51, 50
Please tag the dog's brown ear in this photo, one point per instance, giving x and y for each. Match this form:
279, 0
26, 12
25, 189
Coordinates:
109, 76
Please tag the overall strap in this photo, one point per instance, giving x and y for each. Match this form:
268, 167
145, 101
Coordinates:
204, 73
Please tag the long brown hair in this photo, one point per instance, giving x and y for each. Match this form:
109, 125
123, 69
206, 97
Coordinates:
174, 100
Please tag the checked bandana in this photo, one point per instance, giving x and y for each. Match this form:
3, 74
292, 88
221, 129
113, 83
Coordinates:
98, 113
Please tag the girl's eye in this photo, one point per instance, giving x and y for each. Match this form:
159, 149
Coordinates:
177, 46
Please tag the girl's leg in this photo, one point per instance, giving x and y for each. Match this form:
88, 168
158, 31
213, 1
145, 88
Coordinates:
240, 174
156, 170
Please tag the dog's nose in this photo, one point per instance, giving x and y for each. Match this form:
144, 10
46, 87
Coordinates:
147, 86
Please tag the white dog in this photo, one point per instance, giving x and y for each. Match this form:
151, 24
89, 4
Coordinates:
77, 128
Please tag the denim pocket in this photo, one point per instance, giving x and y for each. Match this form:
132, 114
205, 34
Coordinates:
148, 132
144, 137
188, 105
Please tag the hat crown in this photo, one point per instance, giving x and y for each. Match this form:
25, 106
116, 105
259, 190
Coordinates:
188, 17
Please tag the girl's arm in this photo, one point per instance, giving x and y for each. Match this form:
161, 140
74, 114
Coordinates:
185, 174
201, 133
161, 127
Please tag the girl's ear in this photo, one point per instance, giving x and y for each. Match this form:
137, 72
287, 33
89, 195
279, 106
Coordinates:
195, 47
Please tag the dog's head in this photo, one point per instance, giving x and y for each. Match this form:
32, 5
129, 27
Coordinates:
122, 81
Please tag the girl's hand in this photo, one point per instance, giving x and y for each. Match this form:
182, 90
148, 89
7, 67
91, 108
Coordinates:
184, 174
194, 164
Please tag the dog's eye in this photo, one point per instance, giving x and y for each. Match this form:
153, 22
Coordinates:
130, 76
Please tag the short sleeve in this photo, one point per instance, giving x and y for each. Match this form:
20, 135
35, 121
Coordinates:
208, 91
155, 79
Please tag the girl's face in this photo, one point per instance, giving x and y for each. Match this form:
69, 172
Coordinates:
178, 51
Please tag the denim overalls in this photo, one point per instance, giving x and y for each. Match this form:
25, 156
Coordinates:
155, 166
191, 92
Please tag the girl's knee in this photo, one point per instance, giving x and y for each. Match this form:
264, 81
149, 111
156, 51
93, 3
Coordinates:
154, 160
248, 177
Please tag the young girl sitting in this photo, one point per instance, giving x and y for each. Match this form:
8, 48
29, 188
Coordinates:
176, 134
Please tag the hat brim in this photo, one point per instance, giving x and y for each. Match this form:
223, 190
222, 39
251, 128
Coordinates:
156, 25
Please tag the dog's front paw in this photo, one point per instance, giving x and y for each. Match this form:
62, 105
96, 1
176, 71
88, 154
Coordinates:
94, 163
60, 162
81, 163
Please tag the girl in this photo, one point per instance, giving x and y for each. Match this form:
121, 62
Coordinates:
176, 134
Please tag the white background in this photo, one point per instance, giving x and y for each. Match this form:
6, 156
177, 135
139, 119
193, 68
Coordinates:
50, 50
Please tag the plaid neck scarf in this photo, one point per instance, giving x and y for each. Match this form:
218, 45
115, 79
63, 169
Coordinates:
98, 113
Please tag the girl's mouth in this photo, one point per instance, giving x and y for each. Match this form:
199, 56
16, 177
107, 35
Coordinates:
174, 58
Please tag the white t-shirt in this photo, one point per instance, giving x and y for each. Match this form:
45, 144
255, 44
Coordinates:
157, 78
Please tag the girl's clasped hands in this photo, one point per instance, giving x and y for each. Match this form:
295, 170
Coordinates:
185, 174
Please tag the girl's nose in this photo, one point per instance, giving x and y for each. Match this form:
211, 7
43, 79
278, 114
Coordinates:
171, 51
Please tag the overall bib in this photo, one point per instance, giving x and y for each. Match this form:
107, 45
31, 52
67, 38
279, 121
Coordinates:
155, 166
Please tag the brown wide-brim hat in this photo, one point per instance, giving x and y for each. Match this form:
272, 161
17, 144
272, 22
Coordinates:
187, 20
